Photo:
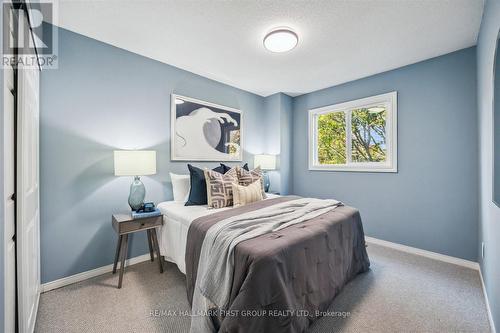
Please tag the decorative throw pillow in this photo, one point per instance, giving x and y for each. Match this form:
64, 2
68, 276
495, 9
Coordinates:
180, 187
243, 195
198, 191
246, 178
227, 167
220, 187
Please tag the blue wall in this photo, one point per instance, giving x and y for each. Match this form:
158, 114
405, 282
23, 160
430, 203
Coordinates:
271, 134
277, 134
431, 203
489, 223
104, 98
286, 125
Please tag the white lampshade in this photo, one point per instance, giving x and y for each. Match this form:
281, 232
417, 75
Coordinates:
135, 162
266, 162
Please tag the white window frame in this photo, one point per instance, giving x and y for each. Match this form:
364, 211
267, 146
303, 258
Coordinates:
390, 101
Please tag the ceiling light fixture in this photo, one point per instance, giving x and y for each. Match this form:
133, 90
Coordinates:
281, 40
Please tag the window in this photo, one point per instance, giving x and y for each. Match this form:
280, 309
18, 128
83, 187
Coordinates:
360, 135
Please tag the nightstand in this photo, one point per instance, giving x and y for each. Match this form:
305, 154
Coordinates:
124, 225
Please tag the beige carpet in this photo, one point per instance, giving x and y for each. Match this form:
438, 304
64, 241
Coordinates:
401, 293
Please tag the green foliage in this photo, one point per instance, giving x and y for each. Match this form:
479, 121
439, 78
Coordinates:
367, 137
332, 138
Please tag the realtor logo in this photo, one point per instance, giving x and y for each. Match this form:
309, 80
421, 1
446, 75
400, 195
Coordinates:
32, 48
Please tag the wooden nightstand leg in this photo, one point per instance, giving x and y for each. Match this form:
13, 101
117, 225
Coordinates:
124, 256
157, 249
117, 254
151, 254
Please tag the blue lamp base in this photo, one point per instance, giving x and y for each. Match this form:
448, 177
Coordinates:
267, 182
137, 194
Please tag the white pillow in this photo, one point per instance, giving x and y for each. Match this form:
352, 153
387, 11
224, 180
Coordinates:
181, 184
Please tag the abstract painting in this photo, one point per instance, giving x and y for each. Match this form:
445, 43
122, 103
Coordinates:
203, 131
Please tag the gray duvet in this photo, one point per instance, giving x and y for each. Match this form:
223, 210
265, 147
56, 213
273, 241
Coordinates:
285, 279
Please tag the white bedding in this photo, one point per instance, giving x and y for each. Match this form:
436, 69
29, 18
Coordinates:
176, 221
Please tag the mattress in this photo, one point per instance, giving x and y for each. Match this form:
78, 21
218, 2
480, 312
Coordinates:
176, 221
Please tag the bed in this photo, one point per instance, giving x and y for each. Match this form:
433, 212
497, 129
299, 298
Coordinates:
281, 281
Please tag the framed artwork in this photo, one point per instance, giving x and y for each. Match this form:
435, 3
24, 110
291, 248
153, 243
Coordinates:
203, 131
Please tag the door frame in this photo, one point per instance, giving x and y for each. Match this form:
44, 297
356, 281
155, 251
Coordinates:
7, 323
21, 326
7, 237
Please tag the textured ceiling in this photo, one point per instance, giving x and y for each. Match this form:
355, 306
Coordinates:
340, 41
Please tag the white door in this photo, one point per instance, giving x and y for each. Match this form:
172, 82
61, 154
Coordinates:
9, 204
8, 195
27, 196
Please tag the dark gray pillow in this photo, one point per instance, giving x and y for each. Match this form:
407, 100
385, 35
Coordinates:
227, 167
198, 191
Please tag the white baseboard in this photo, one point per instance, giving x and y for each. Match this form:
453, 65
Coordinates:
424, 253
90, 274
440, 257
490, 317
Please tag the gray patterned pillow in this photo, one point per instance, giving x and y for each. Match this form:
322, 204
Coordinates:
220, 187
246, 178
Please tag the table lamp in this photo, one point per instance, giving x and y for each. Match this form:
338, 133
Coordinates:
135, 163
266, 162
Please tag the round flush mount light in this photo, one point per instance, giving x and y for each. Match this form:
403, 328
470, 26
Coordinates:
281, 40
